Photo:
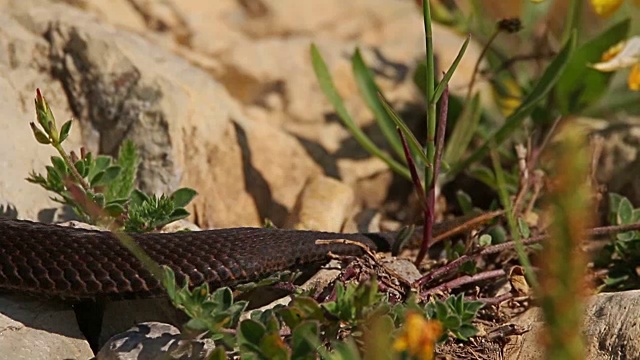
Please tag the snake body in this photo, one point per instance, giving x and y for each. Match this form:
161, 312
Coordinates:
75, 264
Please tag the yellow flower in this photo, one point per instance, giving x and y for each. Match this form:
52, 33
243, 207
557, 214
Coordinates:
634, 78
621, 56
612, 51
605, 8
419, 336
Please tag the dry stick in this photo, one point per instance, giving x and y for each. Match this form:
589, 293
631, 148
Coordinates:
496, 299
439, 272
468, 224
373, 258
464, 280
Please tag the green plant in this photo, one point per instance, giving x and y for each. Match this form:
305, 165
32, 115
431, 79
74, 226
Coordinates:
100, 189
620, 256
359, 314
456, 315
148, 213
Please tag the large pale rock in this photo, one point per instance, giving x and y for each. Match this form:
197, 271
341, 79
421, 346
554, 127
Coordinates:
259, 51
33, 330
324, 205
610, 329
23, 67
189, 131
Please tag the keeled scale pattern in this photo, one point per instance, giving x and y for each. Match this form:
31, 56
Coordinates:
68, 263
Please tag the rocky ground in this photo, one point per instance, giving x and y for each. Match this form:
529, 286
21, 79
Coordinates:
218, 96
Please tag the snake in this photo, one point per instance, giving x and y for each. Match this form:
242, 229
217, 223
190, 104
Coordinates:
74, 264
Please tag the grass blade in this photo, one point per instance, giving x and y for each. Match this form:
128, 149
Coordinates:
414, 145
463, 131
330, 91
369, 92
447, 76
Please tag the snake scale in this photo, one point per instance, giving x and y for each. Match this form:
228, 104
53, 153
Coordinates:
75, 264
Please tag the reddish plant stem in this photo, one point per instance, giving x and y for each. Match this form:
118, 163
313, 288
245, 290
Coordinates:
496, 300
439, 272
464, 280
431, 197
417, 184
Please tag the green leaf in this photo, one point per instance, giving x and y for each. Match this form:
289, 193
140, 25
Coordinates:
273, 347
625, 212
183, 196
468, 268
464, 201
473, 306
138, 197
465, 331
414, 145
59, 164
169, 282
441, 310
485, 240
614, 201
330, 91
581, 86
485, 175
53, 176
250, 332
128, 161
626, 236
447, 76
514, 122
452, 322
102, 162
64, 131
40, 136
300, 345
80, 167
114, 209
463, 131
218, 354
177, 214
458, 301
96, 178
108, 175
369, 92
524, 228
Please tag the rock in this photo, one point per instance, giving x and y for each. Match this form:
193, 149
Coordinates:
609, 330
31, 329
121, 315
403, 268
121, 86
247, 129
324, 204
23, 67
154, 340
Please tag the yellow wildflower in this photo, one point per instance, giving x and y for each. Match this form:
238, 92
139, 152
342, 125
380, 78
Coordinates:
612, 51
419, 336
621, 56
605, 8
633, 81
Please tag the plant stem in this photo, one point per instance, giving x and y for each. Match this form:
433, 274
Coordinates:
72, 167
430, 90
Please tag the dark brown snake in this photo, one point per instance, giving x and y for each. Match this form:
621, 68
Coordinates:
75, 264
